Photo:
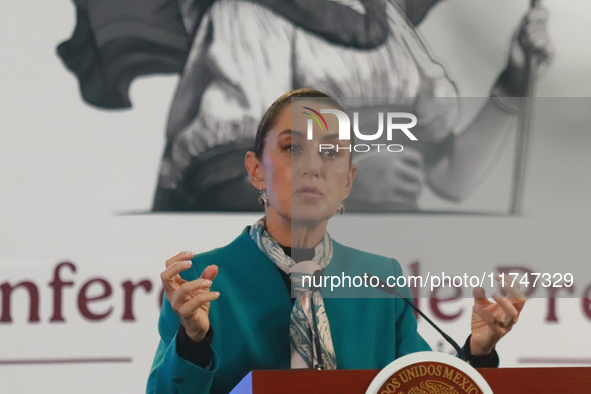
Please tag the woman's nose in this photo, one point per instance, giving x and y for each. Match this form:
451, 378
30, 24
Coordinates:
310, 162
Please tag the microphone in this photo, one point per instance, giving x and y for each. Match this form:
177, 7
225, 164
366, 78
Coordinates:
391, 290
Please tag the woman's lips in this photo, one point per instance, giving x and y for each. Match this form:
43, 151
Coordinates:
309, 192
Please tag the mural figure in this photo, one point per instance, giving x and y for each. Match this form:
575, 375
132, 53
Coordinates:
237, 57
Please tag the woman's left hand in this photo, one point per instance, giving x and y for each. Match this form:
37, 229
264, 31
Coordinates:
493, 320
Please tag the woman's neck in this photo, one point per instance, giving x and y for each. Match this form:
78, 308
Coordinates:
296, 235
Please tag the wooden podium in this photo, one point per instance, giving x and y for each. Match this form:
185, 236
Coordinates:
501, 381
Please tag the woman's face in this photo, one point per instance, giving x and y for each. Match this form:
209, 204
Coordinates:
304, 184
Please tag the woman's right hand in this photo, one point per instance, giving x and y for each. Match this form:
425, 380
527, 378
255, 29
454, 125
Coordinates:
190, 300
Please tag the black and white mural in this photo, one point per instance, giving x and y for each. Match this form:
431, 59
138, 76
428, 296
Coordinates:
236, 57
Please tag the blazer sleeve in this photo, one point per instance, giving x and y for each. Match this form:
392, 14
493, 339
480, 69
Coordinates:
170, 373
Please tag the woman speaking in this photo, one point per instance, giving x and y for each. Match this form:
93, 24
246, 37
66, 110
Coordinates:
231, 310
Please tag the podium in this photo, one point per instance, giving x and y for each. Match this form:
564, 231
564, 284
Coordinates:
501, 381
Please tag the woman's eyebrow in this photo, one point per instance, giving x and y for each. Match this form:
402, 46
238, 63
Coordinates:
292, 132
302, 135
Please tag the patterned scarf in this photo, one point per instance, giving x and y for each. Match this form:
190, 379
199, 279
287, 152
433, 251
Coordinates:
308, 322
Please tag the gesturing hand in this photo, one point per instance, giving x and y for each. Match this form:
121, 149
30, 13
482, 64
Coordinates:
190, 300
493, 320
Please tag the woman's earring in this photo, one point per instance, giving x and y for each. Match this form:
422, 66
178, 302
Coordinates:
341, 208
263, 199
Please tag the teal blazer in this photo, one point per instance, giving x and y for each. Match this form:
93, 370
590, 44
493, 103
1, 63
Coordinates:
251, 320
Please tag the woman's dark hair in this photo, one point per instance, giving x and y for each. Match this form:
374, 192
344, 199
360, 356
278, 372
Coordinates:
270, 118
